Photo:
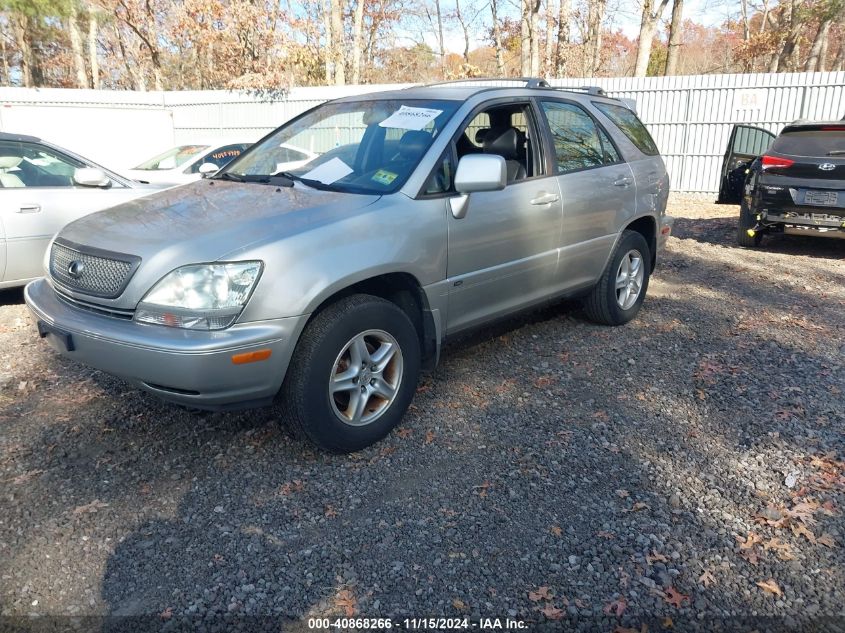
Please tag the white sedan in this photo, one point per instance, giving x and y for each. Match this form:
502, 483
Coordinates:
43, 188
189, 162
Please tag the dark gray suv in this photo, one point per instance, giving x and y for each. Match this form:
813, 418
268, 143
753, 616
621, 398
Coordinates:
425, 212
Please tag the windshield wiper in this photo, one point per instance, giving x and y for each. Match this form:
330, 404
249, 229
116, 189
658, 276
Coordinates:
227, 175
836, 152
274, 179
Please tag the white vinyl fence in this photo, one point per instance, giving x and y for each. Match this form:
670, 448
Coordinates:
690, 117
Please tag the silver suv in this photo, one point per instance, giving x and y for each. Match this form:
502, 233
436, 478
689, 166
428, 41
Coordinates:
425, 212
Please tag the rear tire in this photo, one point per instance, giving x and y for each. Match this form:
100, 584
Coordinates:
617, 297
746, 222
352, 375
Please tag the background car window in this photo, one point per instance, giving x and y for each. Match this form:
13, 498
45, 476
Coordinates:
172, 158
751, 141
575, 136
220, 157
630, 126
829, 142
34, 165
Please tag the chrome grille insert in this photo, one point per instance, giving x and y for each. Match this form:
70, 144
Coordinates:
116, 313
91, 271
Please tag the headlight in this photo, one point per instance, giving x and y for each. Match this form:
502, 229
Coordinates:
200, 296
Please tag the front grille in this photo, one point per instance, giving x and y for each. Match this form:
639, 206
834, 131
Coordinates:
115, 313
91, 271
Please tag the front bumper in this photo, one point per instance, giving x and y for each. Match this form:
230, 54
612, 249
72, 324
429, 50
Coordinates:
664, 230
191, 368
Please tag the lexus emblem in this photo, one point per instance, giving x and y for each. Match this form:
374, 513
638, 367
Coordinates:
75, 269
827, 166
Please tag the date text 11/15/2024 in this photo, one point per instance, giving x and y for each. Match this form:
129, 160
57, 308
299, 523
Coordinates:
416, 624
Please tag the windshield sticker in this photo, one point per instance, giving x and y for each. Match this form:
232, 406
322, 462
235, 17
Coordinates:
384, 177
408, 118
329, 172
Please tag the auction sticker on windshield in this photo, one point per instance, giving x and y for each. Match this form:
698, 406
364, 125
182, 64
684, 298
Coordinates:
384, 177
328, 172
410, 118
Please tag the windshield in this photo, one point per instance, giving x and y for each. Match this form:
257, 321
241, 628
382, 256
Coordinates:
172, 158
367, 147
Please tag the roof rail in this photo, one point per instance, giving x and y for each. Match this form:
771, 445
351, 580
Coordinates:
530, 82
590, 90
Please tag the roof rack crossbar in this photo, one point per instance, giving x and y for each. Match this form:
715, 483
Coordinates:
530, 82
590, 90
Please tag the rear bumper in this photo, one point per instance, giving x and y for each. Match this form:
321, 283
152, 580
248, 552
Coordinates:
805, 223
191, 368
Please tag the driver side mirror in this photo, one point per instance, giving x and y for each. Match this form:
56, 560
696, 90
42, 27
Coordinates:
206, 169
91, 177
477, 172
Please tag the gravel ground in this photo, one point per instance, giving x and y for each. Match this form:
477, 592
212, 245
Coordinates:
685, 469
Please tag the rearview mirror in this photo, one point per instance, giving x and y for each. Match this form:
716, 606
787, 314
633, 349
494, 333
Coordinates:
91, 177
481, 172
206, 169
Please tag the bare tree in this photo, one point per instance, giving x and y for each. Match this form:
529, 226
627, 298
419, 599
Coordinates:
93, 62
497, 39
648, 29
336, 51
675, 34
21, 31
563, 17
76, 46
357, 40
815, 60
464, 22
595, 17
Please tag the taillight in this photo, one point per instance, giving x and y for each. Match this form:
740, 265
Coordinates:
770, 162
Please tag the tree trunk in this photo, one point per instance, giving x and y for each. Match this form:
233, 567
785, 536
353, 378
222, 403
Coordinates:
549, 46
788, 51
20, 27
337, 41
815, 60
563, 16
76, 47
595, 17
525, 39
92, 49
329, 50
7, 80
497, 39
464, 29
839, 61
534, 26
357, 41
440, 40
675, 34
648, 29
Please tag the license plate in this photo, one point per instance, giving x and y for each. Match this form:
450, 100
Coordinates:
822, 198
45, 329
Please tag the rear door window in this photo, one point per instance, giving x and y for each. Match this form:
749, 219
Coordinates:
578, 142
751, 141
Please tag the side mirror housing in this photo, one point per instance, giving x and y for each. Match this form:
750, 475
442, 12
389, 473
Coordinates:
206, 169
91, 177
481, 172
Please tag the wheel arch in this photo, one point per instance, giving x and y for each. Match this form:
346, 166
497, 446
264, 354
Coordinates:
646, 226
404, 290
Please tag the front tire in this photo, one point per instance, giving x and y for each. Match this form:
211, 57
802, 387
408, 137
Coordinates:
617, 297
353, 374
746, 222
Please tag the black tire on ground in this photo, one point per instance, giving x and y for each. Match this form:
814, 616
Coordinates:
308, 410
747, 221
601, 304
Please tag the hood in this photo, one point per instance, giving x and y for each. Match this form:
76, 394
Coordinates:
159, 176
205, 221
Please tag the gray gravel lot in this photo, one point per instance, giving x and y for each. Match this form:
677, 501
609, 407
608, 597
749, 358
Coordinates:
686, 466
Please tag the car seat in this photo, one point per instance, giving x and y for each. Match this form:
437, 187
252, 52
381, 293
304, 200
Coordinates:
7, 179
505, 143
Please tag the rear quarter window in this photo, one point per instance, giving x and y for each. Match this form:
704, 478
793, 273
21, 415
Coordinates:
630, 126
811, 142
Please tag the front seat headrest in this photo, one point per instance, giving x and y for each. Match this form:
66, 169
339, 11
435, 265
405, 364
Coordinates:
504, 142
413, 143
7, 162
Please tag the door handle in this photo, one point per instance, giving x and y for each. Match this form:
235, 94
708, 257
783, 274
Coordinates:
624, 181
29, 208
545, 198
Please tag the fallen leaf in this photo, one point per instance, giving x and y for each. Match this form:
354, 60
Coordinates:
551, 612
801, 530
667, 623
639, 505
617, 607
459, 604
555, 529
674, 597
429, 436
166, 614
542, 382
541, 593
770, 586
750, 541
346, 600
90, 508
405, 433
655, 557
606, 535
782, 549
826, 540
482, 489
25, 477
290, 487
622, 493
707, 578
330, 512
